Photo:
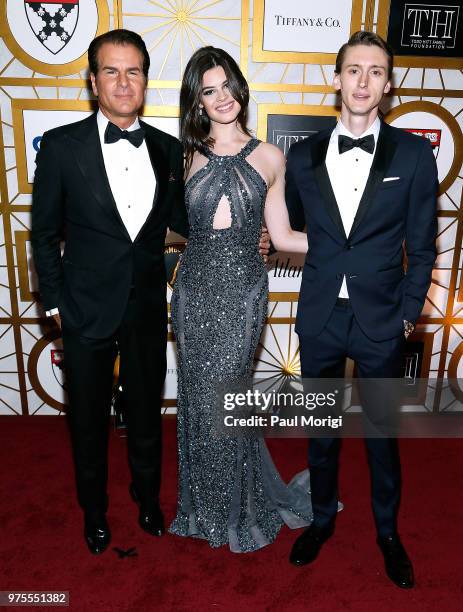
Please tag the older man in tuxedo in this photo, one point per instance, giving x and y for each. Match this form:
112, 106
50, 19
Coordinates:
110, 186
363, 189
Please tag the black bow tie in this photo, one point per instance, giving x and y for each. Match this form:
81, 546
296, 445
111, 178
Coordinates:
367, 143
113, 134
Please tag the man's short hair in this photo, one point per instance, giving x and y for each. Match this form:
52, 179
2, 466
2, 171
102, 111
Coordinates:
368, 39
117, 37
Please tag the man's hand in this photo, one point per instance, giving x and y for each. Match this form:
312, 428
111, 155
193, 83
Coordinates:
57, 319
264, 244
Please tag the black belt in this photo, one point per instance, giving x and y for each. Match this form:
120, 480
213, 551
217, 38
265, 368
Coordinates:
342, 302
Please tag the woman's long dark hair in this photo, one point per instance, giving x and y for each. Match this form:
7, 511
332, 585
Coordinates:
194, 127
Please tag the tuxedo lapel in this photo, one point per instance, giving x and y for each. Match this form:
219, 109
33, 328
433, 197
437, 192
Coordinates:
383, 156
319, 148
160, 169
89, 157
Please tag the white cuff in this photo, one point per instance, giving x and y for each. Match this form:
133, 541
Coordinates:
50, 313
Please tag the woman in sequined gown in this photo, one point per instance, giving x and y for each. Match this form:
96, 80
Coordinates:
229, 489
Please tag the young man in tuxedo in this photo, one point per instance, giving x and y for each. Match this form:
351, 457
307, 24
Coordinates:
110, 186
363, 189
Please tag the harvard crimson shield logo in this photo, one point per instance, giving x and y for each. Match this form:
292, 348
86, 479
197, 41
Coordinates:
53, 22
57, 364
433, 135
52, 36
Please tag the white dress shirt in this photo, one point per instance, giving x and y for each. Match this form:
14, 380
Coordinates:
348, 174
131, 178
130, 175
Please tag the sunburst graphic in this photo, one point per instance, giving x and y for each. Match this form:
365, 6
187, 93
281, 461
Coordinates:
278, 359
174, 29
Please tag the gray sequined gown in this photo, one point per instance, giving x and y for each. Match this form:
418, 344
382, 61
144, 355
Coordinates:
229, 489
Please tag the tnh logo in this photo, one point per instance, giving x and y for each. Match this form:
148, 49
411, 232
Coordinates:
285, 138
53, 22
430, 25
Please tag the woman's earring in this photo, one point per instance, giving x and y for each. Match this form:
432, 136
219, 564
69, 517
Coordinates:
200, 111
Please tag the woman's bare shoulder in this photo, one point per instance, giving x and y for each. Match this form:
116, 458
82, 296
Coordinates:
198, 161
272, 160
271, 153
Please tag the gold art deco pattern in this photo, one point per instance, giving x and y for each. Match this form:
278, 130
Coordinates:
172, 29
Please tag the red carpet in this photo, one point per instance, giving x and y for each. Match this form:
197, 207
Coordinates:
42, 547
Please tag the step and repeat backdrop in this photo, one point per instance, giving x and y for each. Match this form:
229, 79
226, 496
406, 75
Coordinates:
286, 49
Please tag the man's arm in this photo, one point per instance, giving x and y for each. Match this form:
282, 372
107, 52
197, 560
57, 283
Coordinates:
292, 197
178, 221
48, 223
420, 233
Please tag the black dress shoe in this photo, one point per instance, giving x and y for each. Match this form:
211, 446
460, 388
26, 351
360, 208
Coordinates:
97, 534
398, 566
308, 544
150, 519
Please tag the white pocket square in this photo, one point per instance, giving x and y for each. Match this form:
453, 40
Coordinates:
391, 178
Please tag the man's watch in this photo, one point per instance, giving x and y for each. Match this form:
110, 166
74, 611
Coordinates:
408, 328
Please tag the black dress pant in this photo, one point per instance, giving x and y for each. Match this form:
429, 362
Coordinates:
89, 365
324, 356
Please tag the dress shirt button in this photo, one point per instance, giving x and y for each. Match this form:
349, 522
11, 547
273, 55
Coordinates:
355, 188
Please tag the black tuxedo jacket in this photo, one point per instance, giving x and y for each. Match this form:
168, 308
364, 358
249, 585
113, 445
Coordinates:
390, 214
91, 281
